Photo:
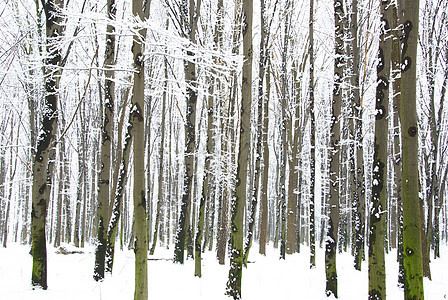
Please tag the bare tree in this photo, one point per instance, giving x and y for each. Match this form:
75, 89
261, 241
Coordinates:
412, 260
239, 199
358, 185
41, 187
333, 222
377, 267
312, 140
189, 22
106, 144
140, 9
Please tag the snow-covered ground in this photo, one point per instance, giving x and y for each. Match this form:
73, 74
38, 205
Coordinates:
70, 277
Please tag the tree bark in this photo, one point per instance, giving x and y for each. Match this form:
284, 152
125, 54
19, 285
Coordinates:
32, 121
40, 190
425, 254
312, 140
283, 125
255, 192
239, 198
84, 173
106, 145
226, 144
161, 168
61, 187
413, 283
295, 178
396, 91
358, 185
378, 209
224, 220
264, 213
140, 10
207, 186
190, 131
148, 143
120, 188
333, 221
79, 187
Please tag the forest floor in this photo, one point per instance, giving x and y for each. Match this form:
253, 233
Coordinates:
266, 277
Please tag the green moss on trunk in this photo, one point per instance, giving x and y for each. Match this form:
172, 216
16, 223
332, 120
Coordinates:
412, 250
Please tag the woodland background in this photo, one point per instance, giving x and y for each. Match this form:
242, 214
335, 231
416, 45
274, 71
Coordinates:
177, 133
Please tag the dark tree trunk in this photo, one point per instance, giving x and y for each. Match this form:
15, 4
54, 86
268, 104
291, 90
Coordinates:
40, 190
412, 260
333, 222
190, 132
106, 145
312, 140
239, 199
377, 267
121, 185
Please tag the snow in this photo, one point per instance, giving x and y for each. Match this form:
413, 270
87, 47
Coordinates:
267, 277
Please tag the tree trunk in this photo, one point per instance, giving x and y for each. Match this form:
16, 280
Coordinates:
32, 121
378, 209
170, 197
324, 192
283, 125
119, 182
312, 140
79, 186
413, 284
333, 221
40, 190
358, 185
161, 169
239, 198
140, 10
396, 91
120, 188
191, 221
68, 219
3, 174
190, 132
226, 124
263, 128
425, 254
227, 111
254, 191
295, 178
58, 231
207, 186
106, 144
84, 173
148, 144
264, 231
